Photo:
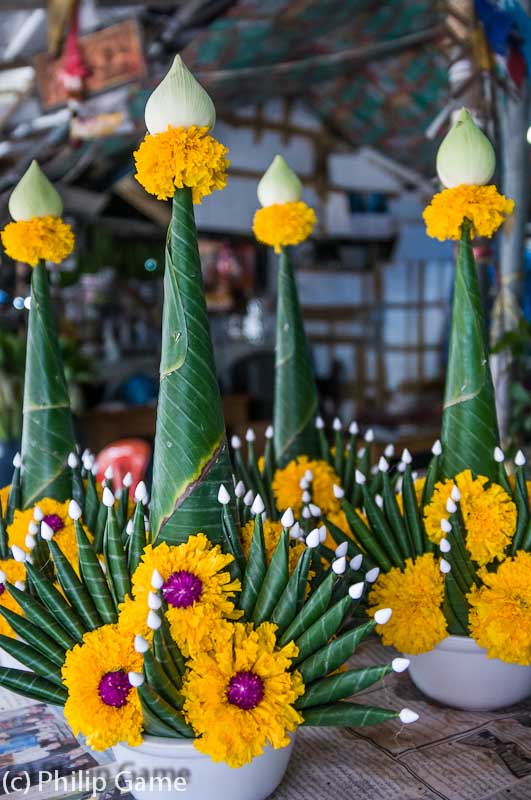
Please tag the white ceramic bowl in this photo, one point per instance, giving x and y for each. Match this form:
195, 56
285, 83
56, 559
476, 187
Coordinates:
203, 779
458, 673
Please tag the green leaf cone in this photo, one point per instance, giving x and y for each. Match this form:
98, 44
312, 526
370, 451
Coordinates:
191, 458
47, 430
295, 404
470, 426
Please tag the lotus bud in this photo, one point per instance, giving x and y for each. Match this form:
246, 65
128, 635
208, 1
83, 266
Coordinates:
180, 101
465, 155
34, 196
279, 184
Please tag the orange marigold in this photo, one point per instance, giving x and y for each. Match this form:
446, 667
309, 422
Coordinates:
283, 224
483, 206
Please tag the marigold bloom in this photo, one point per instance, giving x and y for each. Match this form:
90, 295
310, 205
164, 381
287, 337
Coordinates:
181, 157
499, 616
101, 704
287, 490
483, 206
415, 596
46, 238
283, 224
239, 696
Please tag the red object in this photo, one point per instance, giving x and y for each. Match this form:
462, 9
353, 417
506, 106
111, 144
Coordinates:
73, 70
516, 65
126, 455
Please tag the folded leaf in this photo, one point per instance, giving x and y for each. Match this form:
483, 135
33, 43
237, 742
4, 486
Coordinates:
341, 686
32, 686
347, 715
334, 654
32, 659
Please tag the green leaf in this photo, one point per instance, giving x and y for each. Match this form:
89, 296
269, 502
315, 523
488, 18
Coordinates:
381, 531
470, 427
152, 724
32, 686
234, 545
347, 715
395, 519
191, 458
275, 581
335, 654
295, 404
40, 616
313, 608
137, 541
455, 607
115, 558
91, 505
255, 571
341, 686
32, 658
76, 592
4, 547
164, 712
160, 682
365, 537
521, 500
292, 597
34, 635
47, 430
93, 577
164, 657
14, 499
322, 629
412, 515
54, 601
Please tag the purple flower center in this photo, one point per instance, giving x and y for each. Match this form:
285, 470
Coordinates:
114, 688
2, 589
246, 690
54, 521
182, 589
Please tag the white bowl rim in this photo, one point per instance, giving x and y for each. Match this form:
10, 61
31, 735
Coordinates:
163, 745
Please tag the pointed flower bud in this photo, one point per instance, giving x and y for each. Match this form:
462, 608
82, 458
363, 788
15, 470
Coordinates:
465, 155
279, 184
34, 196
180, 101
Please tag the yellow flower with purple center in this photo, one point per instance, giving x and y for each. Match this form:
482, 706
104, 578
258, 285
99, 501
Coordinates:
197, 588
415, 595
240, 694
102, 704
499, 618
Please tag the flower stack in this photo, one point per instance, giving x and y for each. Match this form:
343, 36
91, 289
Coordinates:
167, 621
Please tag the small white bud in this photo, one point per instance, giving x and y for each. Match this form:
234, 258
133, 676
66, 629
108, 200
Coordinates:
445, 566
389, 451
499, 455
21, 585
18, 553
339, 566
407, 716
338, 492
235, 442
455, 494
361, 452
406, 456
38, 514
360, 477
378, 499
258, 506
446, 526
336, 424
306, 513
383, 464
127, 480
437, 448
135, 679
306, 497
3, 576
401, 467
46, 531
369, 436
383, 615
153, 620
319, 423
108, 497
313, 539
248, 498
141, 494
239, 489
308, 475
287, 519
269, 432
295, 531
315, 511
353, 429
129, 528
445, 546
356, 562
451, 506
30, 541
74, 510
141, 644
342, 549
519, 459
157, 581
223, 495
17, 461
118, 492
303, 484
154, 601
372, 574
32, 529
109, 473
400, 664
250, 435
72, 460
356, 590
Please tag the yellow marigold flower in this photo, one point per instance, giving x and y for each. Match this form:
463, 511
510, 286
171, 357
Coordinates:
499, 617
31, 240
489, 515
4, 496
197, 588
13, 571
282, 224
239, 696
56, 516
483, 206
272, 531
287, 490
181, 157
415, 595
102, 705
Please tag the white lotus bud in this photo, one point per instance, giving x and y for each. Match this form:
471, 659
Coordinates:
499, 455
74, 510
141, 494
353, 429
258, 506
235, 442
519, 459
109, 473
239, 489
248, 498
465, 154
383, 464
180, 101
336, 424
223, 496
389, 451
279, 184
406, 456
34, 196
250, 435
369, 436
437, 448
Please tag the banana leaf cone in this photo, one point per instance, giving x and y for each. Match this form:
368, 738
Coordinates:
191, 456
47, 428
470, 426
295, 404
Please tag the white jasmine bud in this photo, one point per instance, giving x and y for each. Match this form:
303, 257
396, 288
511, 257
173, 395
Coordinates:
339, 565
356, 562
383, 615
141, 644
127, 480
356, 590
157, 581
46, 531
287, 519
223, 496
407, 716
135, 679
74, 510
154, 601
153, 620
437, 448
108, 497
372, 575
